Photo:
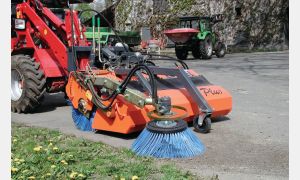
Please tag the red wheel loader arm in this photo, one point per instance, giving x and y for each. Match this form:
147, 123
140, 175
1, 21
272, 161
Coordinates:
54, 34
46, 45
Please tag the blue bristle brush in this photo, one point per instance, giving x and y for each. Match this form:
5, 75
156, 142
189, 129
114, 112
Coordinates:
167, 139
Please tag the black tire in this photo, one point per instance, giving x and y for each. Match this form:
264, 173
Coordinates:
221, 50
178, 127
205, 127
206, 47
181, 52
32, 81
196, 51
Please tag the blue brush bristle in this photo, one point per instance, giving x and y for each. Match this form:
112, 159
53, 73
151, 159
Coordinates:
81, 122
174, 145
69, 103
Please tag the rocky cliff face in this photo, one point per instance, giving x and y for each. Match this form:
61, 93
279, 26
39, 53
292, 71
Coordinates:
248, 24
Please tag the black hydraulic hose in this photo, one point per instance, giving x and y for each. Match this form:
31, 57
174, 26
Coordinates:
163, 55
170, 58
151, 76
123, 86
127, 79
185, 66
108, 97
98, 100
109, 24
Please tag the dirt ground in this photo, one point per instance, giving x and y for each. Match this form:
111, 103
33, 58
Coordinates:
252, 142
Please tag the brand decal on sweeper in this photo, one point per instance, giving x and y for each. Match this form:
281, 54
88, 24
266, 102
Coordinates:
112, 88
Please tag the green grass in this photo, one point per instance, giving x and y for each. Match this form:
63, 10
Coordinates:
39, 153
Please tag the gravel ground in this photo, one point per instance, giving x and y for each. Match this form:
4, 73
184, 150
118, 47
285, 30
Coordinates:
252, 142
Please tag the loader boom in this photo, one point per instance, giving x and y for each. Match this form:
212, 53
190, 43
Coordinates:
55, 36
46, 44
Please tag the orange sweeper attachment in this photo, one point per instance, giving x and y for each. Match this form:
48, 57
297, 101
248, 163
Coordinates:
132, 107
137, 95
123, 91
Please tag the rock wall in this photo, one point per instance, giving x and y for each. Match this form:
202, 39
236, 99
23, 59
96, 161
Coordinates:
248, 24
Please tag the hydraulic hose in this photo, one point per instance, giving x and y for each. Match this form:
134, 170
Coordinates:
98, 100
184, 65
151, 76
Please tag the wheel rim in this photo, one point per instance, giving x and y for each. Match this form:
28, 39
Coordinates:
16, 85
166, 124
203, 126
222, 52
209, 48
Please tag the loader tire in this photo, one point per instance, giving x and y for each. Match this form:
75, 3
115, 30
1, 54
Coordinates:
206, 47
27, 84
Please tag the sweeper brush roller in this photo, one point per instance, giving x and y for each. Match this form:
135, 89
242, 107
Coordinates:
81, 121
168, 139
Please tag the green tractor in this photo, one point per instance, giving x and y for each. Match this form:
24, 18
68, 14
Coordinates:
195, 34
106, 35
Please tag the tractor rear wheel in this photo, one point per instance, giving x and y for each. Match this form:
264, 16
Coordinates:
206, 47
181, 52
221, 50
196, 52
27, 84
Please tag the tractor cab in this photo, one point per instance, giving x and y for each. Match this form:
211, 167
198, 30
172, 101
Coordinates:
201, 23
189, 23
